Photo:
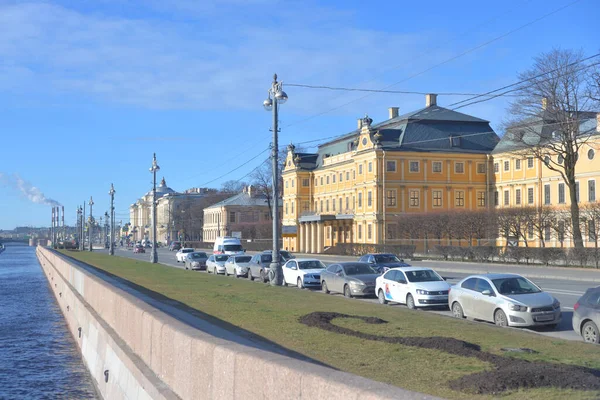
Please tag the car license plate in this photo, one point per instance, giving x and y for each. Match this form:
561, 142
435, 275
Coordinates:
544, 318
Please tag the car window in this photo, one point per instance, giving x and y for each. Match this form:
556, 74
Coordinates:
425, 275
312, 264
187, 250
400, 277
482, 285
211, 258
291, 264
371, 259
222, 258
266, 258
358, 269
391, 275
593, 298
363, 258
515, 285
233, 247
242, 259
386, 258
469, 284
332, 268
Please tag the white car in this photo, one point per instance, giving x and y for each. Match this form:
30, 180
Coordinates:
413, 286
180, 255
303, 272
237, 266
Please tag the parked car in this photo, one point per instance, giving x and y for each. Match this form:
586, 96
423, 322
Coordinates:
349, 278
228, 245
303, 272
174, 246
259, 266
284, 255
413, 286
216, 263
381, 262
586, 316
180, 255
196, 260
505, 299
237, 266
139, 249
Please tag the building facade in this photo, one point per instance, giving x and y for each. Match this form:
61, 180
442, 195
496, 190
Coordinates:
352, 188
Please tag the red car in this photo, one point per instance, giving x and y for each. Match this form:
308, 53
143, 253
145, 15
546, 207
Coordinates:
139, 249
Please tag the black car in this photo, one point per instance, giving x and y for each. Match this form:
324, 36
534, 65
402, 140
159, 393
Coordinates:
381, 262
175, 246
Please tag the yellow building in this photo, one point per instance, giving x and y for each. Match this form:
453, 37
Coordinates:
353, 187
523, 180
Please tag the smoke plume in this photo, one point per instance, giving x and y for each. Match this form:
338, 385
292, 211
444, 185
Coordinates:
27, 189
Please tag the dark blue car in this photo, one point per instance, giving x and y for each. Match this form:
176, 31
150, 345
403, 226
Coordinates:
381, 262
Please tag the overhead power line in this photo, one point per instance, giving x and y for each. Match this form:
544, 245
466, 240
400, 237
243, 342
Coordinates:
380, 91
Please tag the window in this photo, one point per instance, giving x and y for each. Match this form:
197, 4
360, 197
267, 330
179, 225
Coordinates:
577, 191
480, 199
561, 193
286, 208
321, 182
436, 167
333, 178
348, 175
481, 168
506, 165
459, 167
341, 176
496, 200
390, 198
360, 231
327, 205
370, 167
506, 197
413, 166
306, 206
286, 184
390, 166
561, 159
437, 198
529, 195
305, 182
496, 167
459, 198
369, 231
517, 196
455, 141
232, 217
293, 183
530, 230
327, 179
316, 182
547, 194
353, 174
547, 160
591, 154
592, 230
369, 199
359, 199
413, 198
360, 169
591, 190
340, 202
529, 162
292, 207
321, 204
517, 164
347, 203
547, 232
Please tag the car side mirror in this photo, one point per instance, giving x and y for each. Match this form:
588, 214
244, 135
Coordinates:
402, 281
294, 268
339, 273
487, 292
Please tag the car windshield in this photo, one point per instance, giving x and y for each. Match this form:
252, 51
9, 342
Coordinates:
187, 250
221, 258
266, 258
243, 259
198, 255
425, 275
285, 255
386, 258
232, 247
358, 269
312, 264
515, 285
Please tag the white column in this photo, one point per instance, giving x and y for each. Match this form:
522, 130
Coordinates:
301, 238
319, 237
313, 241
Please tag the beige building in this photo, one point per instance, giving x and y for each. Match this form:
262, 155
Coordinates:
246, 209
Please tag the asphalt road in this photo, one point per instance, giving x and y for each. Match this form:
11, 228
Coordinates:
566, 286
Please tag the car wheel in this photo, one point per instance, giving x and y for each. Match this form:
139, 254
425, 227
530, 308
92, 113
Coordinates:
324, 287
299, 284
590, 333
263, 276
226, 272
381, 297
457, 310
235, 274
186, 266
347, 292
500, 318
250, 277
410, 302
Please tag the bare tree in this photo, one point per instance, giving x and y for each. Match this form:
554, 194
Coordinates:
590, 213
232, 186
540, 219
546, 116
513, 222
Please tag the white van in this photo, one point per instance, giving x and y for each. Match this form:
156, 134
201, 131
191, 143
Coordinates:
228, 245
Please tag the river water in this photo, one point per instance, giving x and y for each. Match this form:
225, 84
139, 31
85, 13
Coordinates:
38, 356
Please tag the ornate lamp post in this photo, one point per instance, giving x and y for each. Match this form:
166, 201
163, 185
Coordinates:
78, 237
153, 169
112, 219
91, 203
276, 96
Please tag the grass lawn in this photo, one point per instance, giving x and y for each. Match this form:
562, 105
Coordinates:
273, 312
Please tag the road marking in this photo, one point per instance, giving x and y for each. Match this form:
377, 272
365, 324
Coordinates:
567, 308
562, 291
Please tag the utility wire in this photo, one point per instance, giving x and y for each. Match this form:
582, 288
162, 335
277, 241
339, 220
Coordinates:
380, 91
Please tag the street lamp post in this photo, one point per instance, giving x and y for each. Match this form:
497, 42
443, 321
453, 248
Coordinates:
91, 203
105, 228
82, 246
112, 219
78, 229
276, 96
153, 169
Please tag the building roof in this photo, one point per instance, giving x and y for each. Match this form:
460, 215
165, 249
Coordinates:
242, 199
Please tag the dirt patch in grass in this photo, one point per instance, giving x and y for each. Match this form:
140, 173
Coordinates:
508, 373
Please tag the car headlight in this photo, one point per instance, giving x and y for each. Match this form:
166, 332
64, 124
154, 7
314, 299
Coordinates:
516, 307
357, 284
421, 291
556, 304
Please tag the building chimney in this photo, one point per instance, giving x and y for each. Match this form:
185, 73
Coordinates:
598, 122
359, 124
430, 100
544, 103
249, 190
393, 111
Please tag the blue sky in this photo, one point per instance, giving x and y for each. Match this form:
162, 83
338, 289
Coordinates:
89, 89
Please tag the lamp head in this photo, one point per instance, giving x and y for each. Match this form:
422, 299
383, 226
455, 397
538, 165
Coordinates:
268, 104
281, 97
112, 189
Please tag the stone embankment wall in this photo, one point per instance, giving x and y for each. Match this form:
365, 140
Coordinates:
135, 351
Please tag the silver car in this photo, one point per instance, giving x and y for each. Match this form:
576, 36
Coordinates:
505, 299
216, 263
350, 278
586, 316
237, 266
196, 260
